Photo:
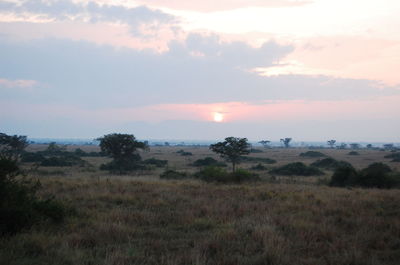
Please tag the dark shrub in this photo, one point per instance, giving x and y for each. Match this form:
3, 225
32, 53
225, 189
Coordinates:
63, 161
172, 174
353, 153
20, 208
184, 153
344, 175
296, 169
123, 166
376, 175
32, 157
217, 174
395, 157
79, 152
155, 162
259, 166
208, 161
253, 150
312, 154
328, 163
258, 159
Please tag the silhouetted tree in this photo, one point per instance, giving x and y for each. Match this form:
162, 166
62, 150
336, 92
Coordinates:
355, 146
286, 141
123, 149
232, 149
331, 143
265, 143
12, 146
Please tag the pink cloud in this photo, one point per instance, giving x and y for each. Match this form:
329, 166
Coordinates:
22, 84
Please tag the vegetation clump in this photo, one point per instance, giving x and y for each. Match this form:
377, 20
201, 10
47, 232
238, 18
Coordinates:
173, 174
220, 175
353, 153
208, 161
254, 150
328, 163
376, 175
296, 169
62, 161
123, 149
232, 149
155, 162
258, 159
184, 153
312, 154
259, 166
32, 157
395, 156
20, 206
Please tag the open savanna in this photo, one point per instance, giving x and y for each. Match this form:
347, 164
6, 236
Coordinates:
140, 219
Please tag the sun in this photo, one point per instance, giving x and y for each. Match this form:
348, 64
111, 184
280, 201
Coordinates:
218, 117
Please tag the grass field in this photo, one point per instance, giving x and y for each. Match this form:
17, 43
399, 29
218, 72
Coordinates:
140, 219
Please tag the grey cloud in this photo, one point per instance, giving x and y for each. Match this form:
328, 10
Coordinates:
65, 9
93, 76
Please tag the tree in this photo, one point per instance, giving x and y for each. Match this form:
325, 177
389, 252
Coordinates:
11, 147
265, 143
286, 141
331, 143
232, 149
123, 148
354, 146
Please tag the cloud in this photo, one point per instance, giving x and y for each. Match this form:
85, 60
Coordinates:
24, 84
102, 76
222, 5
141, 19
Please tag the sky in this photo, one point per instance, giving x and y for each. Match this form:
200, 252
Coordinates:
312, 70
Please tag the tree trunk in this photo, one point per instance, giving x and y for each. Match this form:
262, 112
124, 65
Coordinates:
233, 166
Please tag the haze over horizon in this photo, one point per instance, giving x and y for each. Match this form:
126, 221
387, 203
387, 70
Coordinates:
310, 70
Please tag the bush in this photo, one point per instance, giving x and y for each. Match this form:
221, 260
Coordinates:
30, 157
63, 161
259, 166
208, 161
395, 157
312, 154
20, 208
217, 174
376, 175
155, 162
296, 169
328, 163
253, 150
123, 166
344, 175
258, 159
184, 153
172, 174
353, 153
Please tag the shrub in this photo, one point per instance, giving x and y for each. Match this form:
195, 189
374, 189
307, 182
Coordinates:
258, 159
253, 150
63, 161
208, 161
34, 157
155, 162
395, 157
353, 153
259, 166
296, 169
184, 153
217, 174
328, 163
312, 154
20, 208
376, 175
172, 174
123, 166
344, 175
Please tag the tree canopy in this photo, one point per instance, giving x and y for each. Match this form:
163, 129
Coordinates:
232, 149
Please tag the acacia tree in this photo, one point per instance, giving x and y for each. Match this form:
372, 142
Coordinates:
123, 148
331, 143
232, 149
265, 143
286, 141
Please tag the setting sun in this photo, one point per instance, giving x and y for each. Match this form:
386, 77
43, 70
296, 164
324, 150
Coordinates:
218, 117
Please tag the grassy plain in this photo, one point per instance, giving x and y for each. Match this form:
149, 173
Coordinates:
140, 219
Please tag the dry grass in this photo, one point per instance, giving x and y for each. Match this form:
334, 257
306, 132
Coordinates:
142, 220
